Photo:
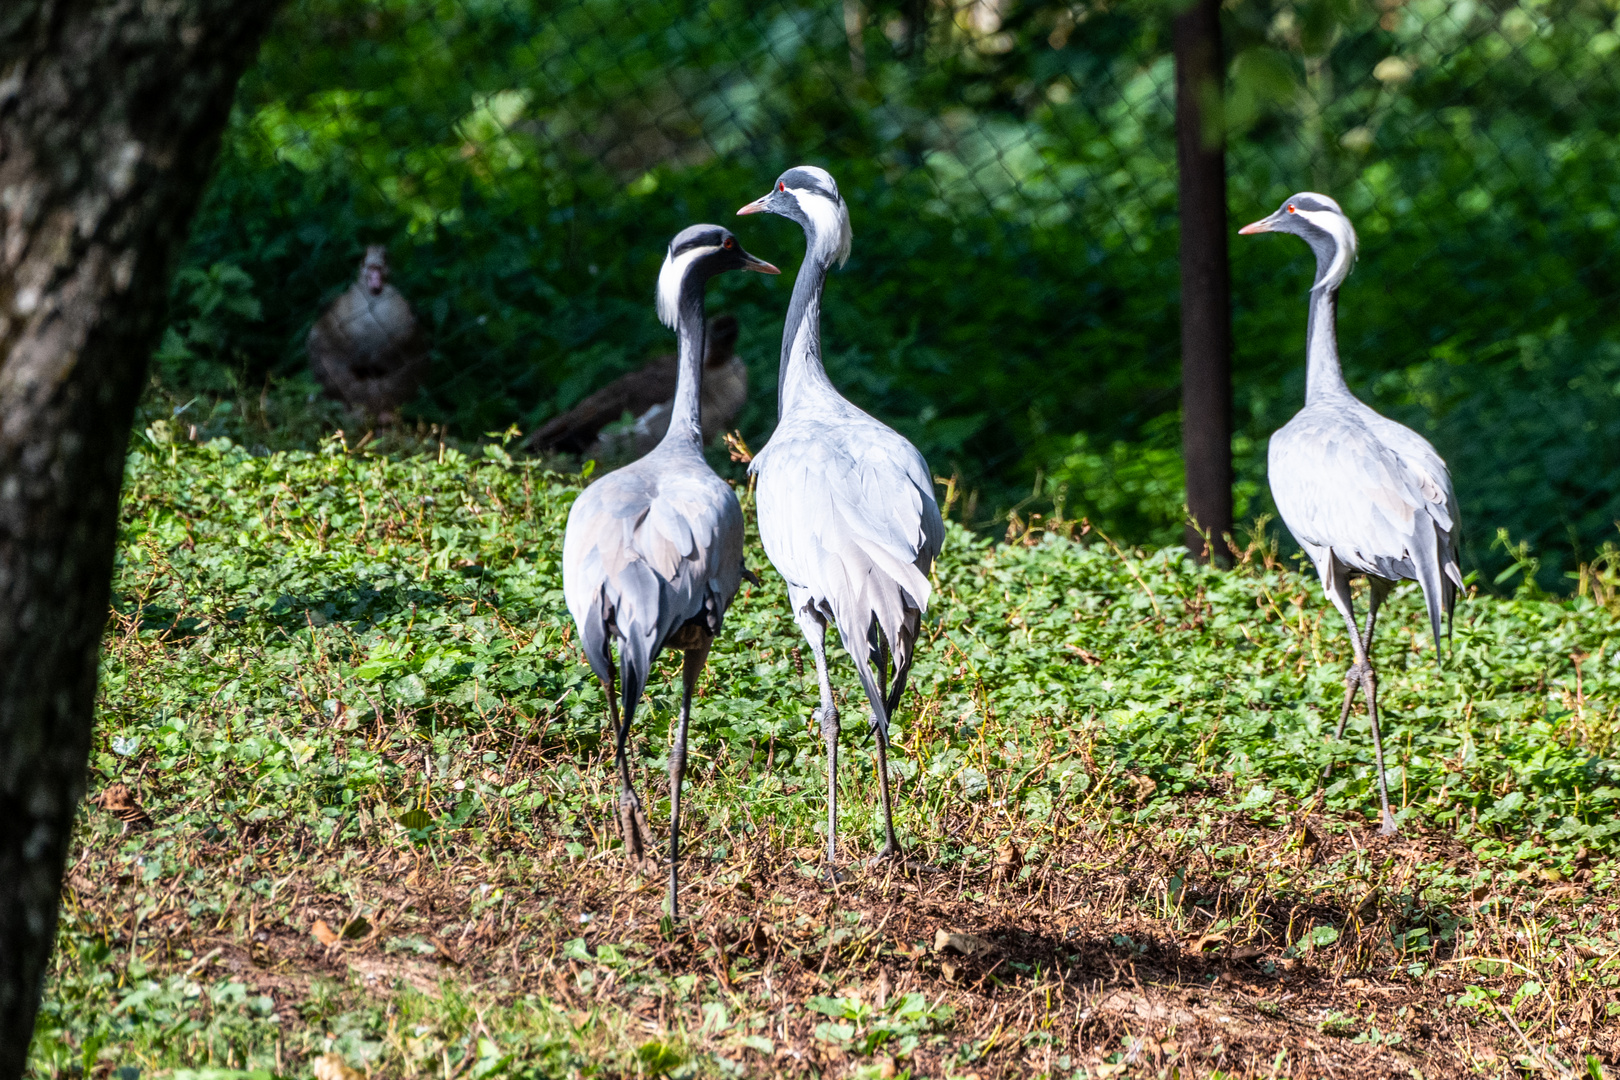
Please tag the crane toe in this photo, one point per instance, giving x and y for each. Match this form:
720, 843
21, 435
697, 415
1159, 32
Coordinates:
898, 860
633, 823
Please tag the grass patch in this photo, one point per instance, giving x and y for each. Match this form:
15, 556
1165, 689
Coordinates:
345, 687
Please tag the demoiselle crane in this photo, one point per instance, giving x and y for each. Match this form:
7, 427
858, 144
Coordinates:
1362, 494
846, 505
653, 553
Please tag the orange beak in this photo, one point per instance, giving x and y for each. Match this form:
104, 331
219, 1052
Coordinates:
1263, 225
755, 207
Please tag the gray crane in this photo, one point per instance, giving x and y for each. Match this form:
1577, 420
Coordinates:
653, 553
1362, 494
846, 505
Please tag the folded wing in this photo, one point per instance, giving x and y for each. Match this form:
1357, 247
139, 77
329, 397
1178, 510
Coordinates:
851, 521
1372, 493
645, 555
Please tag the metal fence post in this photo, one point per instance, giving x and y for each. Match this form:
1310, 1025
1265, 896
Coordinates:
1206, 321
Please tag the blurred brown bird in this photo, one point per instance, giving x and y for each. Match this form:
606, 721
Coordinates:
333, 1067
646, 395
119, 801
367, 349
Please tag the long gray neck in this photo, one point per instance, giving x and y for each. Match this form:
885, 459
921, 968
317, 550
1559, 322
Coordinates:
685, 419
801, 367
1324, 378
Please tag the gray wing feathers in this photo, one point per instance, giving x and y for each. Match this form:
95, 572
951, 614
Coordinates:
644, 553
1355, 487
849, 519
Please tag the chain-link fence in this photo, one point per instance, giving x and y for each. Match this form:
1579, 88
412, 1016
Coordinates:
1011, 303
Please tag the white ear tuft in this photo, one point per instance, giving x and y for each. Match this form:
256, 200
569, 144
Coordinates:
830, 218
1337, 225
670, 279
846, 235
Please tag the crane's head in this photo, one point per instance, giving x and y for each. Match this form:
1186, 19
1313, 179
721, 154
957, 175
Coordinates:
374, 269
810, 196
697, 253
1319, 221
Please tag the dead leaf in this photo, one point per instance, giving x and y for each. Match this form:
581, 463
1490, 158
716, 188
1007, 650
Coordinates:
1008, 862
947, 969
1086, 655
333, 1067
325, 935
446, 951
883, 989
960, 943
1206, 941
736, 448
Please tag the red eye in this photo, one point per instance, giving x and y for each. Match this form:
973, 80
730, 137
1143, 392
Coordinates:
1290, 208
729, 242
781, 186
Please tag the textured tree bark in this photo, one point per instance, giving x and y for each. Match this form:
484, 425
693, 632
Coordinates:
110, 115
1206, 321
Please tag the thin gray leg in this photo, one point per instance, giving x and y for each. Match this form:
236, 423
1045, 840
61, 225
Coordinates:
631, 817
1340, 595
873, 683
891, 846
815, 632
691, 667
1362, 672
1369, 685
1352, 678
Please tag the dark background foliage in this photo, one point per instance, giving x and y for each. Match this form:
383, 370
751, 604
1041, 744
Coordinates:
1011, 303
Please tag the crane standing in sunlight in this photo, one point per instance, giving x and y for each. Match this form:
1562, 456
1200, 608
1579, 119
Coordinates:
846, 504
1362, 494
653, 553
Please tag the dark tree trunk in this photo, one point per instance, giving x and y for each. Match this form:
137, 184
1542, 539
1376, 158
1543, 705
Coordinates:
1206, 321
110, 115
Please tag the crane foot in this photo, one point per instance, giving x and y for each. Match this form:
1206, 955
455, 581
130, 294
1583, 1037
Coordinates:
906, 866
637, 833
890, 853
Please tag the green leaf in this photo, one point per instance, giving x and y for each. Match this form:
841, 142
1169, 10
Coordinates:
1323, 936
415, 819
658, 1058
